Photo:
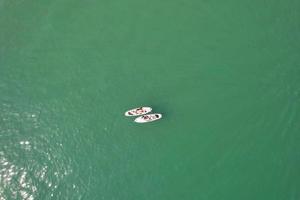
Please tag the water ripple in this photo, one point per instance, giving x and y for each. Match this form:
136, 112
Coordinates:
33, 162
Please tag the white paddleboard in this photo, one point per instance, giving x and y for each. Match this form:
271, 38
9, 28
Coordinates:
138, 111
148, 118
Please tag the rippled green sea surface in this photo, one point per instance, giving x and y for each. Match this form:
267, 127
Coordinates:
224, 74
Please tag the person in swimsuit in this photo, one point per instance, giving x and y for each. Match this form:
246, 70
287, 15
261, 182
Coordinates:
146, 117
139, 110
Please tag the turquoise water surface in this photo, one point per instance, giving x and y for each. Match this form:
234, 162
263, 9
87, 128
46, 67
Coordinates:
225, 76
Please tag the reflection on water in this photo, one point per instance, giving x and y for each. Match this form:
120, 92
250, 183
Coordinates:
15, 181
32, 166
30, 177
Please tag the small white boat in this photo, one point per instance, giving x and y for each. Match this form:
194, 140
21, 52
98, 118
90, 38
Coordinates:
148, 118
138, 111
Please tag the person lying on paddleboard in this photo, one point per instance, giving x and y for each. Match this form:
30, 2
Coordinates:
149, 118
146, 117
140, 110
137, 111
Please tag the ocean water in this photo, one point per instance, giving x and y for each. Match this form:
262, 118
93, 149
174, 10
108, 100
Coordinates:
225, 76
